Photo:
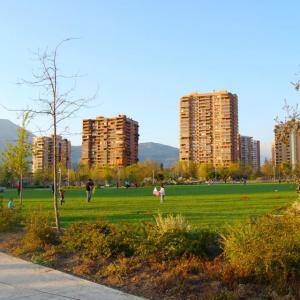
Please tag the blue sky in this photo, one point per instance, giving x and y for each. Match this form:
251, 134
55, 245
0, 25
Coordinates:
144, 55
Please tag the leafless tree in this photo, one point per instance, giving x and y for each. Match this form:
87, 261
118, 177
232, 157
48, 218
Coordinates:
54, 102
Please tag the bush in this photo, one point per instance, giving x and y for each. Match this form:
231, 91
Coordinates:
39, 233
267, 248
173, 237
10, 219
99, 239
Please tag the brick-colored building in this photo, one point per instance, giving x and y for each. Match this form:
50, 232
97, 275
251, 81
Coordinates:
110, 141
288, 151
250, 152
209, 128
43, 153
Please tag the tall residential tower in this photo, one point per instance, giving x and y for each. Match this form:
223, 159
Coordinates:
250, 152
209, 128
109, 141
43, 153
287, 151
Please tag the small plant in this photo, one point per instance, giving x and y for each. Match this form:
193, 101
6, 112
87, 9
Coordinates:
118, 269
172, 223
40, 260
173, 237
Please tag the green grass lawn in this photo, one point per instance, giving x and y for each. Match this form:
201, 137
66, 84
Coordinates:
213, 205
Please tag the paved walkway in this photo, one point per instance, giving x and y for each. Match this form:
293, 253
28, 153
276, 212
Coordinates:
20, 279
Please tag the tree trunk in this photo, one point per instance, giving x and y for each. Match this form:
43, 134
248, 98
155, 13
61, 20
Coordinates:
56, 215
21, 189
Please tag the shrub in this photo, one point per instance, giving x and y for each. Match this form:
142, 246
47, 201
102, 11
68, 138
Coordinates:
267, 248
39, 233
172, 223
173, 237
99, 239
10, 219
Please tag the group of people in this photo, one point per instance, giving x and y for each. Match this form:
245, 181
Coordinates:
90, 188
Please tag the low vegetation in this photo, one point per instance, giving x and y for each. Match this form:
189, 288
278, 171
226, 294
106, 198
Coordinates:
267, 248
10, 219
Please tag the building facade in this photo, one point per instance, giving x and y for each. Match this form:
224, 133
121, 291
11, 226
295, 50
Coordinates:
287, 151
43, 153
256, 156
209, 128
110, 141
250, 152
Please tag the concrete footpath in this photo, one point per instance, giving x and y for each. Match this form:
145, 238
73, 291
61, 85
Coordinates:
20, 279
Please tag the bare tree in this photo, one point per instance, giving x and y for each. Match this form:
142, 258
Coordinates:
54, 102
287, 127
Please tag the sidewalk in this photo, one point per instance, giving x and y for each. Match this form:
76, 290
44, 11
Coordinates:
20, 279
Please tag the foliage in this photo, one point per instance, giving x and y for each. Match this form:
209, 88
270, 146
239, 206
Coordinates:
267, 248
16, 157
268, 169
173, 237
171, 223
99, 239
205, 171
10, 219
39, 233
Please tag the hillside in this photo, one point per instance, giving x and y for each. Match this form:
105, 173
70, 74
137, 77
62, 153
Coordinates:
8, 133
164, 154
76, 155
147, 151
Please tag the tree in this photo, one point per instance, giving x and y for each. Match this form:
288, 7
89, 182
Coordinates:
205, 171
224, 173
54, 102
268, 169
234, 170
16, 157
285, 169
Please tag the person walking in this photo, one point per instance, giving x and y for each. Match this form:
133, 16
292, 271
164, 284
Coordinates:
89, 189
162, 194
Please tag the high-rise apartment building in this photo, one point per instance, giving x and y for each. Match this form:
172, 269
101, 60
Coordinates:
289, 150
256, 156
43, 153
110, 141
250, 152
273, 153
209, 128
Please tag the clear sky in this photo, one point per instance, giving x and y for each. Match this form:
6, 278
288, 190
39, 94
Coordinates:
144, 55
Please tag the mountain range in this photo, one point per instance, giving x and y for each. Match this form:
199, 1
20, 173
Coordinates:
163, 154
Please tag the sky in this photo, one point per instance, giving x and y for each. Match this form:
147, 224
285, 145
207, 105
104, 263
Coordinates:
141, 56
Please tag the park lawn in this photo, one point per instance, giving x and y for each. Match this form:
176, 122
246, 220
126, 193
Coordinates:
203, 205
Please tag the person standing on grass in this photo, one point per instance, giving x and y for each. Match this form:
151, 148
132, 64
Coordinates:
10, 204
61, 196
162, 194
89, 189
18, 188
